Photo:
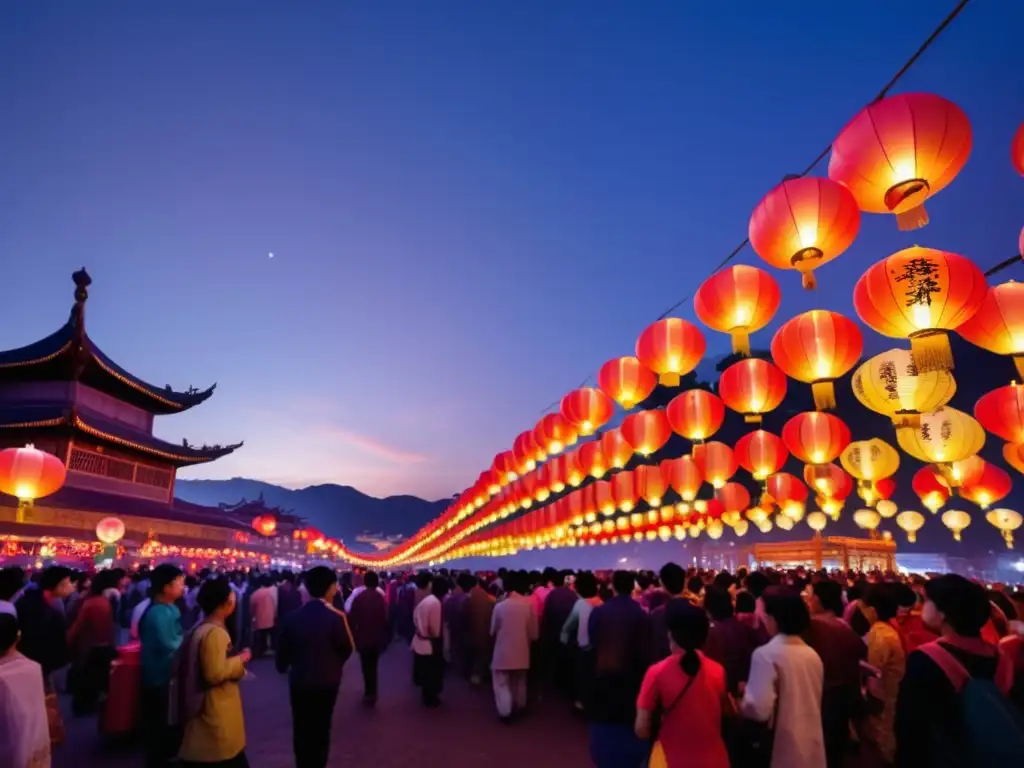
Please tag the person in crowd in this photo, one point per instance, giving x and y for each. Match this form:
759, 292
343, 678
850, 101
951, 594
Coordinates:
421, 588
479, 612
690, 691
263, 604
928, 725
908, 622
24, 727
362, 588
81, 582
428, 643
620, 633
558, 605
880, 605
159, 630
91, 644
453, 616
841, 652
43, 631
209, 700
673, 582
236, 625
514, 627
12, 579
368, 618
730, 642
786, 681
576, 633
139, 611
694, 590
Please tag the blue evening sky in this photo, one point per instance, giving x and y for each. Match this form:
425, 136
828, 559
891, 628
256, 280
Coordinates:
471, 204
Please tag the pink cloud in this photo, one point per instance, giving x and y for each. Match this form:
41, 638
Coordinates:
376, 447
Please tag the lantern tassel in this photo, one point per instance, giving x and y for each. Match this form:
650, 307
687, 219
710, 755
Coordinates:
915, 218
824, 395
1018, 360
741, 343
669, 379
932, 352
808, 280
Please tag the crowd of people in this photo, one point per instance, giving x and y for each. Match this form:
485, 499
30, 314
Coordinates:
789, 669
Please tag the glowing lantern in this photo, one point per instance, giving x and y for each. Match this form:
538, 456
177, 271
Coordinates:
737, 300
646, 431
911, 522
870, 461
265, 525
550, 476
784, 522
787, 491
626, 381
741, 527
110, 530
527, 489
932, 492
1001, 412
886, 508
604, 497
757, 515
752, 387
828, 480
1014, 455
29, 474
943, 437
815, 437
761, 453
587, 409
527, 452
671, 348
891, 384
920, 294
956, 520
505, 465
998, 325
617, 450
817, 521
993, 485
867, 519
734, 497
804, 223
592, 459
571, 469
683, 475
1007, 521
898, 152
716, 462
696, 414
624, 491
816, 348
554, 432
490, 481
651, 484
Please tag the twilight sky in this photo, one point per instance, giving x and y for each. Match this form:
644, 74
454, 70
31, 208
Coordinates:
472, 205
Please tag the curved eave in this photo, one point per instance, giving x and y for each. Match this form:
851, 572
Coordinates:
40, 352
154, 447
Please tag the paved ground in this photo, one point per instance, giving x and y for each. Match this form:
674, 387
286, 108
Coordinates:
399, 733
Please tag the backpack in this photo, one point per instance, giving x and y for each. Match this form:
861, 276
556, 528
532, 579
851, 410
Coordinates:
993, 729
185, 695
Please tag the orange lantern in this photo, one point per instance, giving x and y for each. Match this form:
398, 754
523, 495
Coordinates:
1001, 412
624, 491
554, 432
761, 453
804, 223
604, 497
651, 484
920, 294
646, 431
1017, 150
785, 489
993, 485
816, 348
111, 530
716, 462
752, 387
898, 152
1014, 455
592, 459
671, 348
683, 475
265, 525
696, 414
571, 469
490, 480
527, 489
626, 381
616, 448
587, 409
737, 300
505, 465
816, 437
998, 325
29, 474
929, 487
734, 497
527, 452
550, 476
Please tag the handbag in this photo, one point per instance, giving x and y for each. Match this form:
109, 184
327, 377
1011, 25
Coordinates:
658, 759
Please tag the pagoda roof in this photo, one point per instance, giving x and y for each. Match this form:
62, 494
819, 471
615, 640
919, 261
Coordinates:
70, 354
44, 416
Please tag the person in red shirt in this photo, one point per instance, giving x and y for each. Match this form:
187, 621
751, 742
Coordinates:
908, 622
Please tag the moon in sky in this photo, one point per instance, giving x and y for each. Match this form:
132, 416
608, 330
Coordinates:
271, 254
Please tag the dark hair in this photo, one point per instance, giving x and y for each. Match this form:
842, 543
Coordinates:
586, 585
787, 607
717, 602
163, 575
467, 581
623, 582
745, 602
12, 579
213, 594
757, 583
8, 632
695, 584
1005, 604
830, 595
688, 626
439, 587
884, 599
724, 579
964, 603
53, 576
371, 580
265, 580
319, 580
103, 580
673, 578
423, 579
905, 595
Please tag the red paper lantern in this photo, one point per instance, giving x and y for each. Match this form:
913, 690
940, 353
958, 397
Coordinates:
816, 437
551, 476
592, 459
733, 497
998, 325
828, 480
624, 491
1017, 152
604, 498
617, 450
1014, 455
571, 469
527, 452
816, 348
671, 348
265, 525
683, 475
29, 474
651, 485
696, 414
1001, 412
898, 152
111, 530
993, 485
490, 480
646, 431
930, 488
587, 409
752, 387
626, 381
553, 433
528, 489
920, 294
885, 487
804, 223
505, 465
786, 488
737, 300
761, 453
716, 462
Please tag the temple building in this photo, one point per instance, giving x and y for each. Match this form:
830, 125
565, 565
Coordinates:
65, 396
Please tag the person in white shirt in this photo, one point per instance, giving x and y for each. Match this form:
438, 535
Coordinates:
428, 658
785, 684
514, 627
24, 725
358, 591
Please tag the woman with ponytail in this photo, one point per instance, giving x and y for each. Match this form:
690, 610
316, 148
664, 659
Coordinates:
683, 698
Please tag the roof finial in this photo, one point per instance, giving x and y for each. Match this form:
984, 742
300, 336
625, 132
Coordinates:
82, 282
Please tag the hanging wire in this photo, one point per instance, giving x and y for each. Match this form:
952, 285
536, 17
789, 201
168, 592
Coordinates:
949, 18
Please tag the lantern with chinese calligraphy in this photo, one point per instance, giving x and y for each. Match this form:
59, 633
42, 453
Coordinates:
553, 433
587, 409
646, 431
671, 348
696, 414
911, 522
992, 486
761, 453
737, 300
943, 437
1007, 521
1001, 412
804, 223
626, 380
752, 387
110, 530
527, 452
930, 489
920, 294
815, 437
29, 474
816, 348
898, 152
683, 475
592, 459
265, 525
998, 325
716, 462
869, 461
956, 520
617, 450
891, 384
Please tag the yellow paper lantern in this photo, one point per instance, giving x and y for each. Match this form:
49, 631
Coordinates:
886, 508
911, 522
890, 384
1007, 521
766, 526
741, 528
817, 521
956, 520
867, 519
784, 522
869, 461
943, 436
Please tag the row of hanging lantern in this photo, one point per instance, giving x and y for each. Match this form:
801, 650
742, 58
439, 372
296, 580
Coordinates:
891, 158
